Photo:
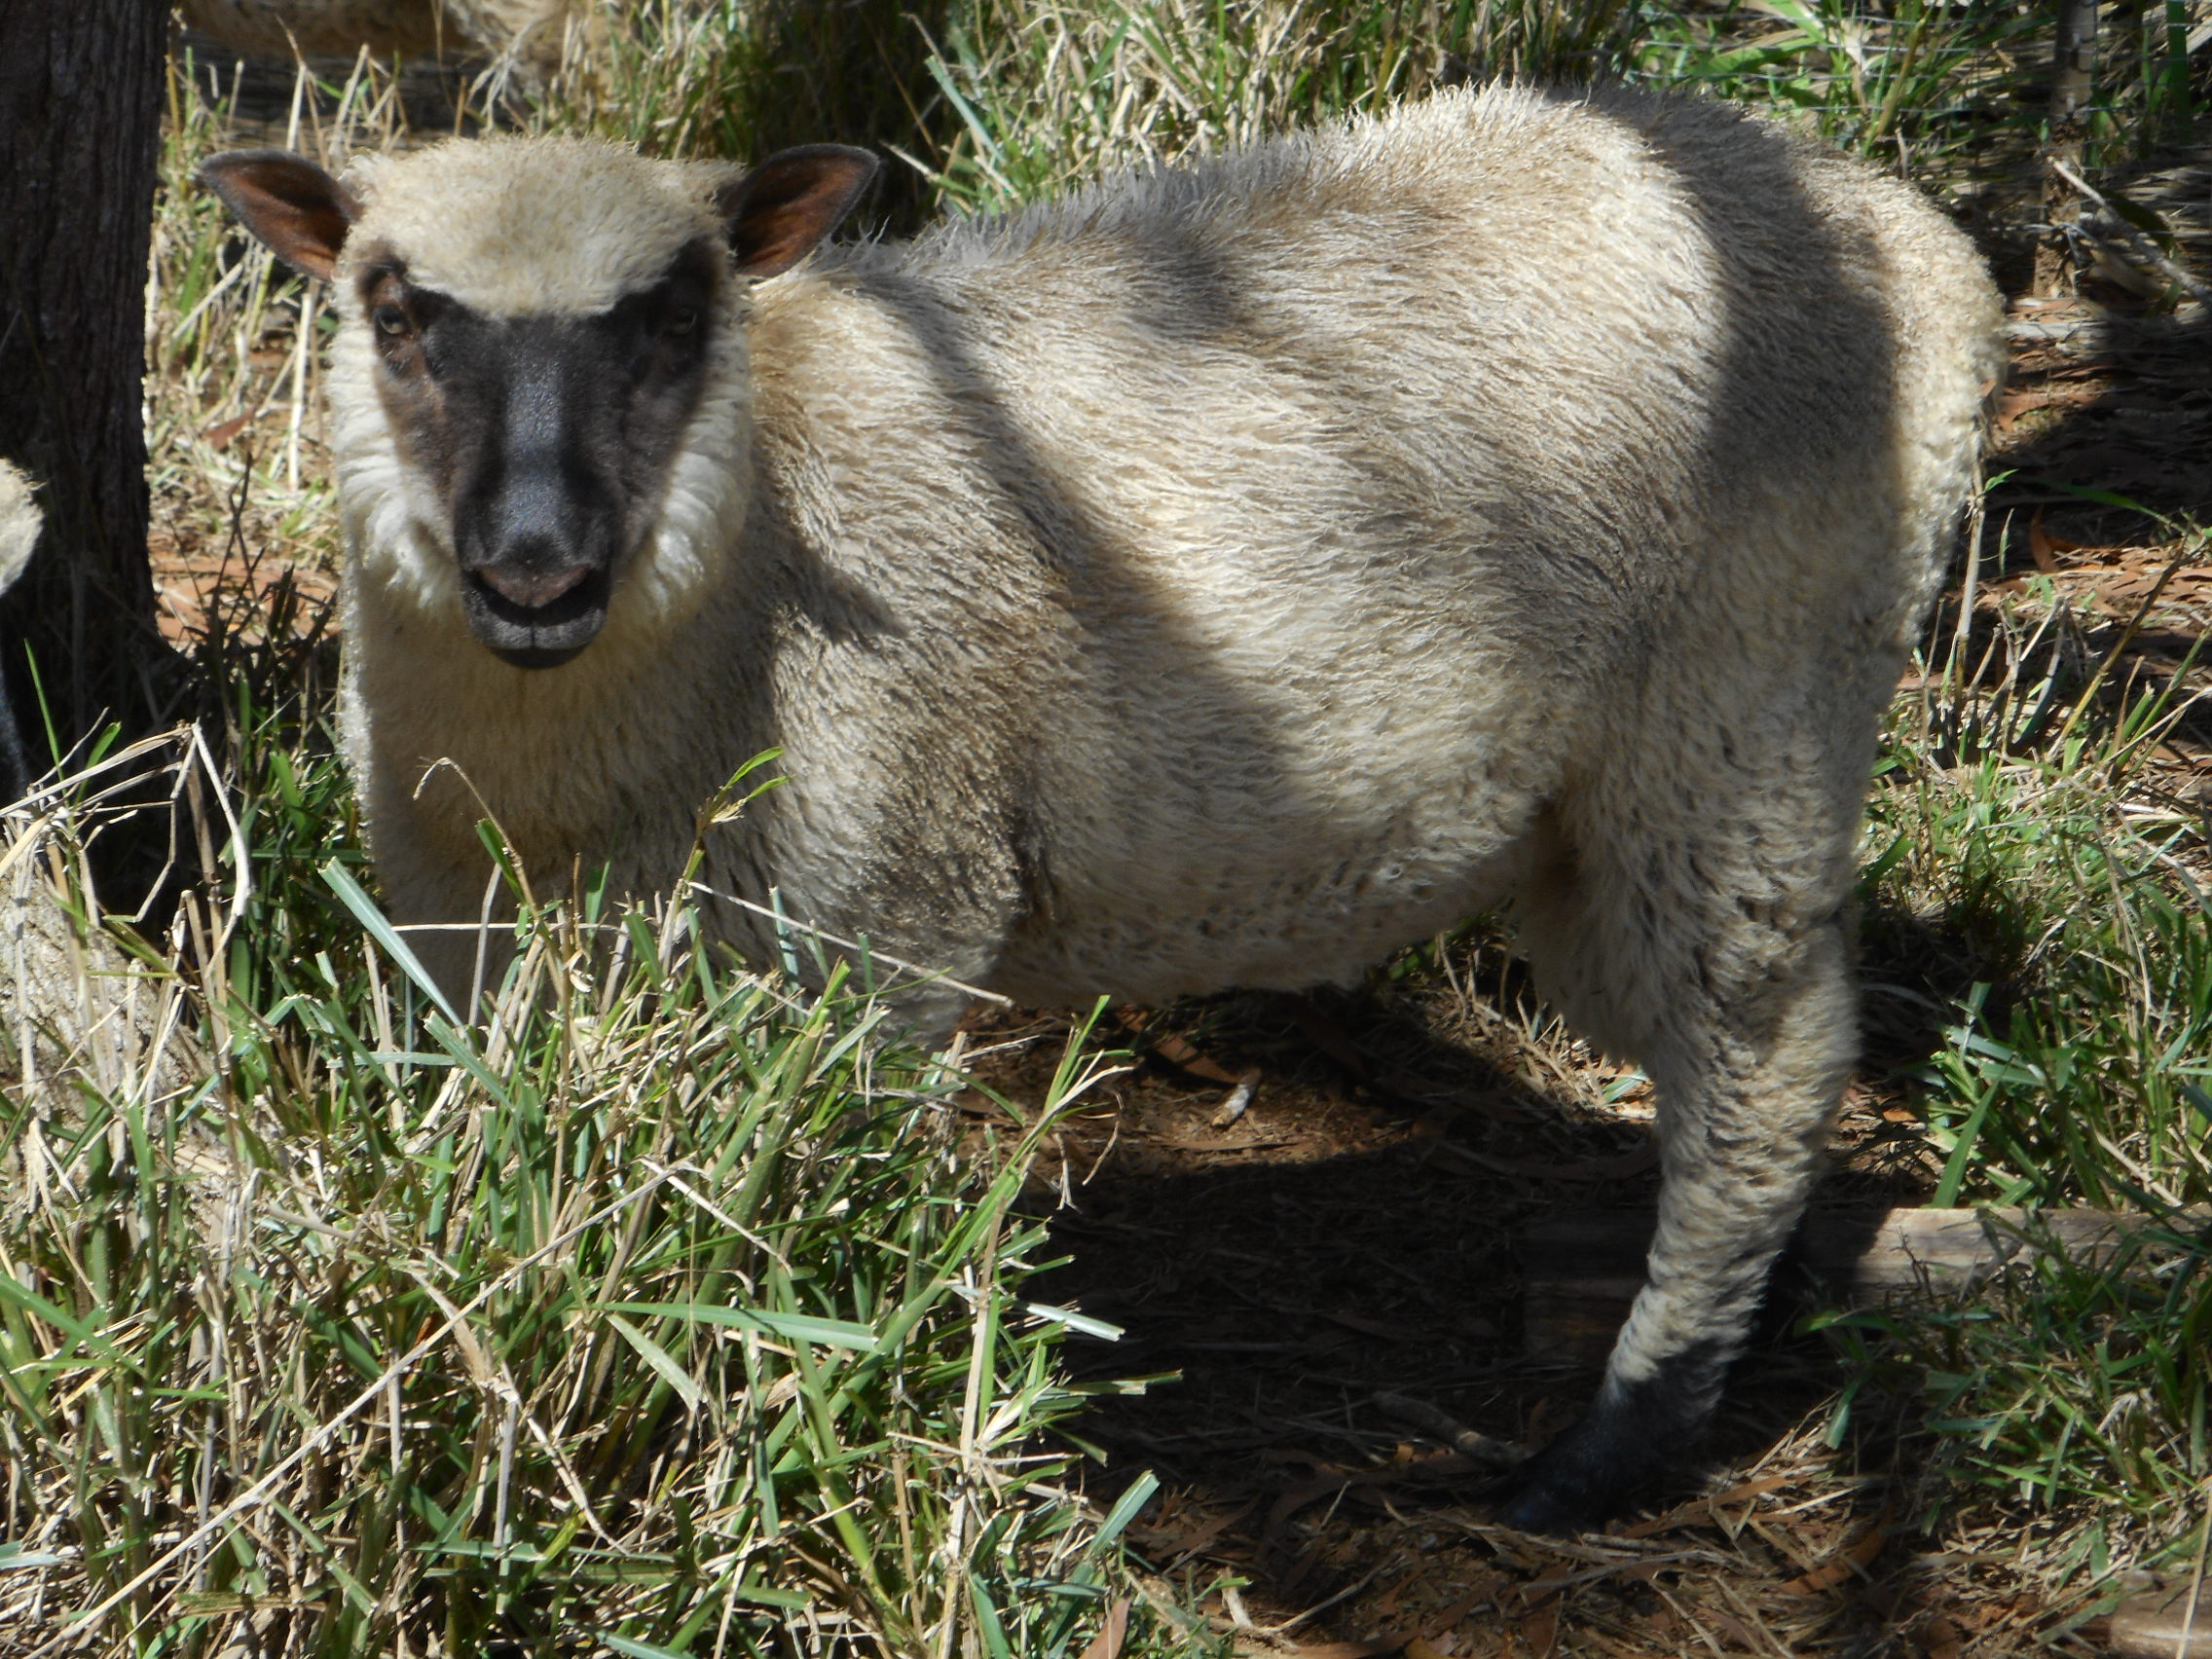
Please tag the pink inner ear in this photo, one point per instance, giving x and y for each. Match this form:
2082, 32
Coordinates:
783, 208
299, 211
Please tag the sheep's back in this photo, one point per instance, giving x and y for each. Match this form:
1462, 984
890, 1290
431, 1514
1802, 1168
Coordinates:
1327, 507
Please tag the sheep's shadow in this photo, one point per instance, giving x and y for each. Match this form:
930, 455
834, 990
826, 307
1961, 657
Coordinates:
2112, 401
1271, 1279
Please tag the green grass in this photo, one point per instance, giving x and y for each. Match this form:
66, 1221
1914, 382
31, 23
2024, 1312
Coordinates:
1046, 97
2069, 1395
2017, 821
2011, 816
666, 1313
658, 1307
657, 1310
989, 103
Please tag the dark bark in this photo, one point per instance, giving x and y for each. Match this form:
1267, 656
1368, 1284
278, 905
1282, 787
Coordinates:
2073, 87
80, 131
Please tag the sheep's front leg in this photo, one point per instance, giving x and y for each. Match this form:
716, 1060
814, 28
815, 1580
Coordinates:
1749, 1033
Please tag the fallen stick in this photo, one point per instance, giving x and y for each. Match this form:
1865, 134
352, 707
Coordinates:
1584, 1267
2142, 246
1472, 1443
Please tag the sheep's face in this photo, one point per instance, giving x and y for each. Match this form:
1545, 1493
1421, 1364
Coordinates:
545, 437
539, 387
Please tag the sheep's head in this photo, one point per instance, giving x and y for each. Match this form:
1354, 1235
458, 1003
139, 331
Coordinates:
537, 338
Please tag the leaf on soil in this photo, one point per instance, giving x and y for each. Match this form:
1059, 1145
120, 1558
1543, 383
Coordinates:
1184, 1540
1838, 1566
1940, 1639
1746, 1489
2043, 548
1540, 1630
1447, 1620
219, 436
1107, 1644
1171, 1048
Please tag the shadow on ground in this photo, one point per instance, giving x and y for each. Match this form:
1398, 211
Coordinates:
1348, 1237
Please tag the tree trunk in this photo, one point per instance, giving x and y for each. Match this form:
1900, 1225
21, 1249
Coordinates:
80, 131
2073, 86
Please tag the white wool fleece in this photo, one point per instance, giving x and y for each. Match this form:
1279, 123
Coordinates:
1313, 507
1230, 574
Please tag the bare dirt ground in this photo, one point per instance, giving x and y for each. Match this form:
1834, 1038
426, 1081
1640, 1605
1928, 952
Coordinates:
1358, 1230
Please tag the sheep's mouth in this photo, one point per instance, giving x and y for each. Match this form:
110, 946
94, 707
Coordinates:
536, 636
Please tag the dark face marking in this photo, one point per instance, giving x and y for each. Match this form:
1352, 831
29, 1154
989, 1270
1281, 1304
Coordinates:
547, 437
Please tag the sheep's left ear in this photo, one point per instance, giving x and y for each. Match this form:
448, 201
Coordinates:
779, 211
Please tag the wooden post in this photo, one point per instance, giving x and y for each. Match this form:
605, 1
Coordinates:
1584, 1267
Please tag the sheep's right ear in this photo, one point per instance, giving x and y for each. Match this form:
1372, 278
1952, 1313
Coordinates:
779, 211
297, 211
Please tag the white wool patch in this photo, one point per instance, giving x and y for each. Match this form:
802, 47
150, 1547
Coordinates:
19, 522
702, 508
396, 530
529, 226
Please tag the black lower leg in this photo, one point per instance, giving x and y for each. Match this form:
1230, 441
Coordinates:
14, 760
1630, 1440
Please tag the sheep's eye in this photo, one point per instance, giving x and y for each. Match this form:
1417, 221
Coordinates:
390, 322
685, 320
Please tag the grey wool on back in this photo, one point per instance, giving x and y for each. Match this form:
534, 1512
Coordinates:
1223, 577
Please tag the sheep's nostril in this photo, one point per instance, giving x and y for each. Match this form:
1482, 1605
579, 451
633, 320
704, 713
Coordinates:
532, 589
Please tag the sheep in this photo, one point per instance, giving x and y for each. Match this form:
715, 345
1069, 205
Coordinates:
20, 521
1220, 577
528, 33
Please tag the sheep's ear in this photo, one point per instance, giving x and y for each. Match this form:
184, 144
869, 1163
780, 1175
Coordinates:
779, 211
299, 211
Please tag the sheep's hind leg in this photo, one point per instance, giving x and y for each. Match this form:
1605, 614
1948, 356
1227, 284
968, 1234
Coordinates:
1721, 964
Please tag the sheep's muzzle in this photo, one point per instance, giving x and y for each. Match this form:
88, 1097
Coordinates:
536, 620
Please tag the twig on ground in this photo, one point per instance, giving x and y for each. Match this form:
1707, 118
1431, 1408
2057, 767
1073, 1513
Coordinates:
1470, 1443
2138, 245
1234, 1103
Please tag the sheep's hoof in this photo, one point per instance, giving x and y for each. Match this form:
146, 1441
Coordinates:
1588, 1474
1557, 1497
1540, 1499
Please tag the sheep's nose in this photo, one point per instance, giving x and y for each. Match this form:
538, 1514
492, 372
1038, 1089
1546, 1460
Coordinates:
532, 589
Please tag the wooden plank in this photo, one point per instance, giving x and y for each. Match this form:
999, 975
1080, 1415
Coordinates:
1584, 1267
